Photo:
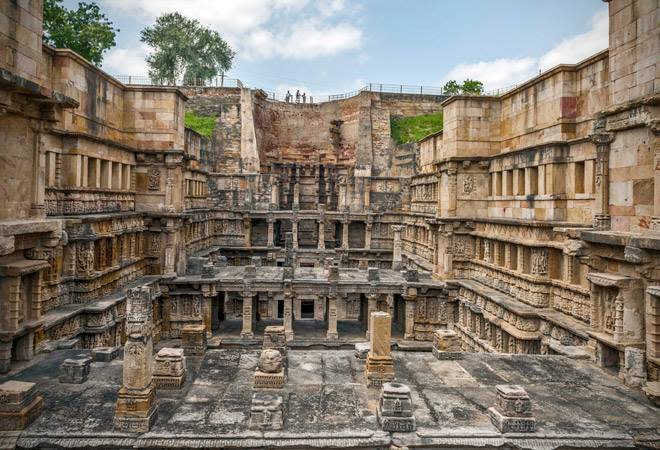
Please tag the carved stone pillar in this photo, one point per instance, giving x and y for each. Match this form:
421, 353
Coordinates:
367, 233
438, 205
294, 232
372, 306
451, 190
247, 230
296, 196
274, 192
367, 194
246, 332
411, 306
321, 244
342, 205
271, 231
332, 317
288, 315
397, 260
344, 234
137, 404
602, 139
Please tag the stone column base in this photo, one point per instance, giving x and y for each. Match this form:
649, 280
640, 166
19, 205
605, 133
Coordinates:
247, 335
397, 424
379, 370
136, 409
332, 335
266, 412
263, 380
439, 354
193, 340
508, 424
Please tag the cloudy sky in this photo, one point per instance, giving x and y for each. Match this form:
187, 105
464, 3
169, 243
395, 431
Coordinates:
333, 46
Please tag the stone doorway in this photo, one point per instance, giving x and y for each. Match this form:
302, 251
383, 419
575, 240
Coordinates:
307, 309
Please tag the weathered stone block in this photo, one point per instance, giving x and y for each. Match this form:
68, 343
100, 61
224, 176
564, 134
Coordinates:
446, 345
169, 368
266, 412
105, 354
395, 408
136, 409
362, 350
634, 371
512, 412
193, 340
75, 370
20, 405
275, 337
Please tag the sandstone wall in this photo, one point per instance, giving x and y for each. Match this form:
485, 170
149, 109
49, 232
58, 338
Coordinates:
20, 41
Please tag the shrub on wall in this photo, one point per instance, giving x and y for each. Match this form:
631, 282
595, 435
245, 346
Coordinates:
411, 129
203, 125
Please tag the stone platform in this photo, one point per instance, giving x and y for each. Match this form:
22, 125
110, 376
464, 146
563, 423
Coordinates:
328, 405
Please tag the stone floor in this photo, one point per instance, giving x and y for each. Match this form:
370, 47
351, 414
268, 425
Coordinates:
328, 404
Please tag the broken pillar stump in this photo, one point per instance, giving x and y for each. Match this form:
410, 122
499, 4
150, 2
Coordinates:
512, 412
266, 412
379, 368
75, 370
395, 408
20, 405
169, 368
446, 344
193, 340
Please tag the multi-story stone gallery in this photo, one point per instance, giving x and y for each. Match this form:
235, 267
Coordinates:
160, 289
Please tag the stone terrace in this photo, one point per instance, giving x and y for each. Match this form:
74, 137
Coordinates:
328, 405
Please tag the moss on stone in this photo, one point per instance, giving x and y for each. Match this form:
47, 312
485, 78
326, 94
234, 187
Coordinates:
203, 125
412, 129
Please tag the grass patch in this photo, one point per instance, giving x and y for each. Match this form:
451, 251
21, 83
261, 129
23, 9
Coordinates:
412, 129
204, 125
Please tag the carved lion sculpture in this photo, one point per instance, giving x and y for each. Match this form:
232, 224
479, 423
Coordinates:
270, 361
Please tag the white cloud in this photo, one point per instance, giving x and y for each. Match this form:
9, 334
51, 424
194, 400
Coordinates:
581, 46
293, 29
505, 72
494, 74
126, 61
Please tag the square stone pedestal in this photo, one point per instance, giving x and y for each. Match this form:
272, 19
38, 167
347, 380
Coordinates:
267, 411
395, 408
512, 412
75, 370
136, 409
379, 369
275, 337
105, 354
263, 380
446, 344
169, 368
20, 405
193, 340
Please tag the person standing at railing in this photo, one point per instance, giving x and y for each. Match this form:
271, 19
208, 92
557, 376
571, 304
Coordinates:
298, 96
287, 97
311, 99
304, 97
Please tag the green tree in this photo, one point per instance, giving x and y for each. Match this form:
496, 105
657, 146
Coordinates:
86, 30
451, 87
472, 87
185, 50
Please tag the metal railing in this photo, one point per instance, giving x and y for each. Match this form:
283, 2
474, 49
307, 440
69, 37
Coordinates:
222, 81
145, 80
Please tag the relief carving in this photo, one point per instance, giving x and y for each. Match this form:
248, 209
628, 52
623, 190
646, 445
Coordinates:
153, 183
